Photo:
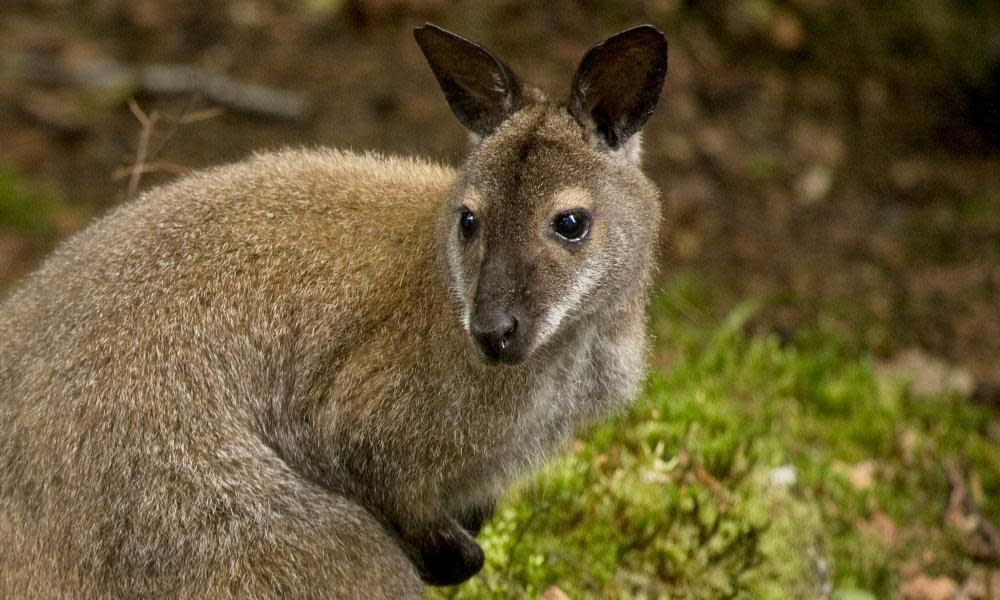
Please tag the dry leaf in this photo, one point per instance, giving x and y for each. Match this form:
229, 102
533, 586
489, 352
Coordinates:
928, 374
881, 527
553, 593
862, 475
923, 587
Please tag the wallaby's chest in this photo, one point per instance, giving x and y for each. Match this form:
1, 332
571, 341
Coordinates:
580, 382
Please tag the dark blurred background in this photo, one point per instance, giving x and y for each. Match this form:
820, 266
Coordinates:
839, 161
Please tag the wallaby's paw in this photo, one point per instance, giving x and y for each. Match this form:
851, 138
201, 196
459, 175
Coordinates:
453, 560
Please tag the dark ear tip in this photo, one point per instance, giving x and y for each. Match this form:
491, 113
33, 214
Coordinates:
427, 29
427, 26
645, 38
646, 33
646, 29
429, 32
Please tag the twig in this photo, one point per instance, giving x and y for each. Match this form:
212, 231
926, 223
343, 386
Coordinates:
712, 484
163, 79
144, 162
152, 166
199, 115
174, 125
979, 536
139, 167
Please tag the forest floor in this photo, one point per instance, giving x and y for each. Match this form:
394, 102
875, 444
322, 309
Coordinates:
836, 165
759, 467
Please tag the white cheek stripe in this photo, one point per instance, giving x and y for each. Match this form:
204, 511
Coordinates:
586, 280
457, 281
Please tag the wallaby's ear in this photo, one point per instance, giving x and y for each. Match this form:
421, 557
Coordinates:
480, 89
618, 83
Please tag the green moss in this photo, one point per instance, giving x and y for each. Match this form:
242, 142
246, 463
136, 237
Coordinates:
765, 165
26, 208
677, 499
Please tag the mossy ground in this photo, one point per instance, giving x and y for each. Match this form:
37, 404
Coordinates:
749, 467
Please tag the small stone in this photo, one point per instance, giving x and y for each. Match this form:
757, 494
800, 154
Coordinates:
787, 32
783, 476
553, 593
923, 587
862, 475
927, 374
814, 185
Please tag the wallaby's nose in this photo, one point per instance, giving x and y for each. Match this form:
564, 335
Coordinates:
495, 335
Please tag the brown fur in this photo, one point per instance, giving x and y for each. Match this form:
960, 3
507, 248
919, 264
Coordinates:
256, 382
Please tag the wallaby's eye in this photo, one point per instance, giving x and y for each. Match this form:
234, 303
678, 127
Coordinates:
572, 225
467, 224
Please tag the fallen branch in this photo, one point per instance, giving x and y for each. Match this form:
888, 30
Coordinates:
162, 79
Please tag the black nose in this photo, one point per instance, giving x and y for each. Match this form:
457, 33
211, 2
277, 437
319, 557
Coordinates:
495, 335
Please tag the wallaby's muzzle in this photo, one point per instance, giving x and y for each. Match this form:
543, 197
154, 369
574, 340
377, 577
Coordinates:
500, 322
499, 335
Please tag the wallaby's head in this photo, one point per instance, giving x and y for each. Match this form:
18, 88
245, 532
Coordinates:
552, 219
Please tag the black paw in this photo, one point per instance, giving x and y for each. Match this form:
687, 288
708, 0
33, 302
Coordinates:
449, 556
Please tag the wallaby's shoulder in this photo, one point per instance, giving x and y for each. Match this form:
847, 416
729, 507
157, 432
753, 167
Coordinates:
316, 167
288, 212
307, 178
268, 198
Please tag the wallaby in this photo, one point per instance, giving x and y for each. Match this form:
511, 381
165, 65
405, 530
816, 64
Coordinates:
311, 374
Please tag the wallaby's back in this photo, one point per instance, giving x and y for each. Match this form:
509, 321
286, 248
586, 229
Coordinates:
136, 364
